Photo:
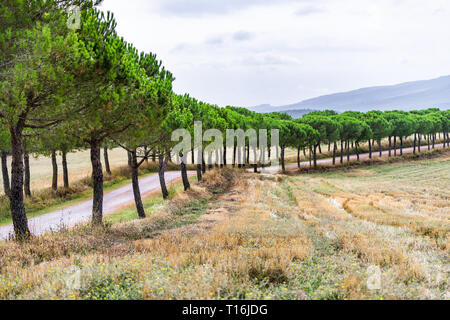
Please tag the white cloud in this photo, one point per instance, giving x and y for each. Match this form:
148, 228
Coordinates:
243, 36
309, 10
215, 40
249, 52
268, 59
196, 8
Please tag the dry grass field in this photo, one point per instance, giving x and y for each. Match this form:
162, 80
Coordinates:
378, 232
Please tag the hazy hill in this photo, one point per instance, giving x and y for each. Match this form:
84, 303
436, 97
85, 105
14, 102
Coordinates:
406, 96
298, 113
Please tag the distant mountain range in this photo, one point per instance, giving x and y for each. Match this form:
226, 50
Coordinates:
405, 96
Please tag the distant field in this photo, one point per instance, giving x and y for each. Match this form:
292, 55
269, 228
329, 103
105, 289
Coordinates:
79, 164
378, 232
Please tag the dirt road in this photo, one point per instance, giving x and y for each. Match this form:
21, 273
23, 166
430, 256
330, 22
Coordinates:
80, 213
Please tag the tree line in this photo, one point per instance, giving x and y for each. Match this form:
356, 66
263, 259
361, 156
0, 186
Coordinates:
63, 90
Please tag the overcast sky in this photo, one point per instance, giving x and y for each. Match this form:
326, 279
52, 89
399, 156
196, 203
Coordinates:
251, 52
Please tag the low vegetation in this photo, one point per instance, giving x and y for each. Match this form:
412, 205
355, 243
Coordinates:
238, 235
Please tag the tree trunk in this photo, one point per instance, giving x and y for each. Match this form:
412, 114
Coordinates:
203, 163
129, 159
225, 155
255, 164
162, 180
380, 148
415, 143
234, 155
283, 166
97, 179
18, 214
146, 154
184, 174
27, 174
348, 151
210, 165
217, 161
5, 173
428, 139
277, 155
310, 156
199, 165
239, 156
320, 149
135, 185
298, 158
401, 146
420, 142
248, 153
390, 146
370, 149
106, 157
342, 152
65, 170
55, 172
199, 172
263, 157
154, 156
334, 152
315, 155
357, 151
395, 146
